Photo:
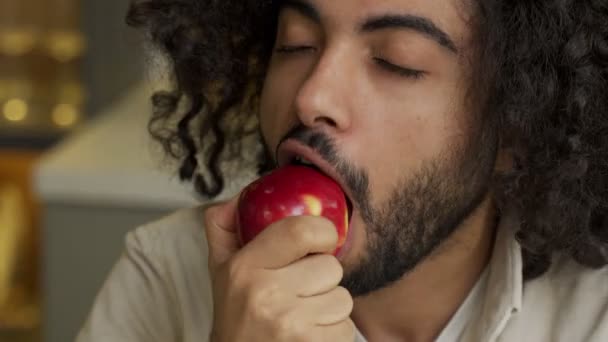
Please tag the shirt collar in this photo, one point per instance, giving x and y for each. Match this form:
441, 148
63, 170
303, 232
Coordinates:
504, 290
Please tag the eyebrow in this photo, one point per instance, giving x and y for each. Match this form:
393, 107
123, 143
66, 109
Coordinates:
411, 22
415, 23
303, 7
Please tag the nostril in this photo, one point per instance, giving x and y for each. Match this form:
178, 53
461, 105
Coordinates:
327, 121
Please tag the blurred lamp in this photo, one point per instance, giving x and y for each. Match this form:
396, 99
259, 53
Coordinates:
65, 115
15, 110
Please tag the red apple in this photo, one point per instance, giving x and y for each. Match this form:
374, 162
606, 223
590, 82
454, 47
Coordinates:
292, 190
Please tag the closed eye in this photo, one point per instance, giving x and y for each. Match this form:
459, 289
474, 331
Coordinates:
399, 70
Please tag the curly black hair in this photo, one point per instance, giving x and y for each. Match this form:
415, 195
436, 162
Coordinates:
542, 67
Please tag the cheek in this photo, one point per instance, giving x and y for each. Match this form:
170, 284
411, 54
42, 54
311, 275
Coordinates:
281, 86
407, 133
274, 105
419, 117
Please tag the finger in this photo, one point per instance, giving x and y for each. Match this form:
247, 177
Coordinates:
327, 309
343, 331
289, 240
220, 230
312, 275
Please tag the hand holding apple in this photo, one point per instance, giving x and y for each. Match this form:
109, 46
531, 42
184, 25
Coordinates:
293, 190
281, 286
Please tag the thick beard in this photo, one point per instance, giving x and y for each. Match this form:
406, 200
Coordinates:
408, 227
419, 215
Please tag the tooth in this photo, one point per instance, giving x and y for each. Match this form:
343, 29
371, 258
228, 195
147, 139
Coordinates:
306, 162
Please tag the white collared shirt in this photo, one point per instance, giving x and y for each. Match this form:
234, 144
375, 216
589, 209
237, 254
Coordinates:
160, 291
456, 326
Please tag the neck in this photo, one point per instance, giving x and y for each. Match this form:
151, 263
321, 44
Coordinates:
430, 294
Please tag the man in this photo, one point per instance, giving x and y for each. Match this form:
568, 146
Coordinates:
469, 136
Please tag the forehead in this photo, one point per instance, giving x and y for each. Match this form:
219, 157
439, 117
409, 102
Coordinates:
450, 16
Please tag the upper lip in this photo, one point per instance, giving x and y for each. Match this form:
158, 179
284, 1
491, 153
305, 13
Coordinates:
290, 149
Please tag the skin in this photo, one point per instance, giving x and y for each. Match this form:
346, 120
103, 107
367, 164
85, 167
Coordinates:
282, 286
344, 83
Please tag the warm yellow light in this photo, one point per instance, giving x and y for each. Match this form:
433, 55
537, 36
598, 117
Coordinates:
65, 115
17, 42
65, 46
15, 110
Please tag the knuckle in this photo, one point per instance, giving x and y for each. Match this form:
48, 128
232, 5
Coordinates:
287, 328
262, 301
301, 232
260, 312
238, 276
344, 298
329, 230
334, 268
324, 227
235, 280
328, 268
237, 271
259, 308
307, 231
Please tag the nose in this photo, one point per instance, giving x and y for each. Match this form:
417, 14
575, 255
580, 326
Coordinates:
322, 100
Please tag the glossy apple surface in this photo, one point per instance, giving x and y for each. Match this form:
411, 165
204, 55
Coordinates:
292, 190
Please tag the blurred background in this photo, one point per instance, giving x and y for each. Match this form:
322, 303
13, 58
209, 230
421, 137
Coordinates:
77, 168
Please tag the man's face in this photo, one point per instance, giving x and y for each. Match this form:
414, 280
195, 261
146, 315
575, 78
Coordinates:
378, 90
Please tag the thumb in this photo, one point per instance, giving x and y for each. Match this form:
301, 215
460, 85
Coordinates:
220, 221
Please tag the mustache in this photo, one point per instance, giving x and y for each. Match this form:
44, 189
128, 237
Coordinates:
319, 142
355, 178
